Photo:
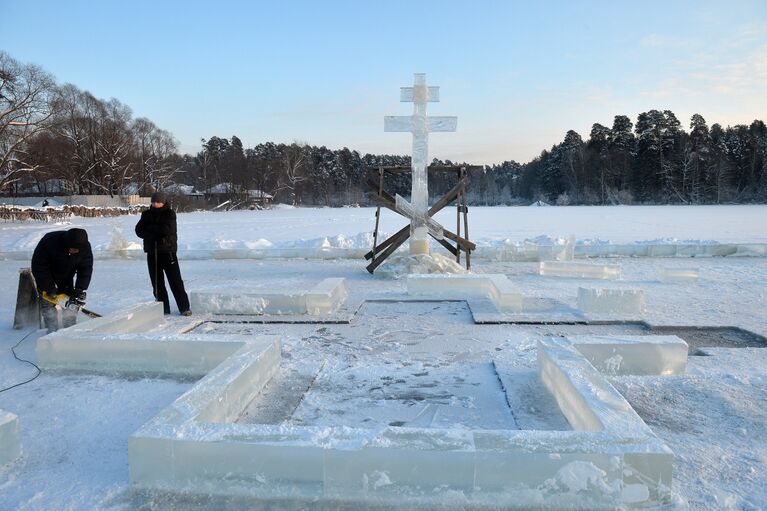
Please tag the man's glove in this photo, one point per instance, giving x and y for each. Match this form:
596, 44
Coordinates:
76, 299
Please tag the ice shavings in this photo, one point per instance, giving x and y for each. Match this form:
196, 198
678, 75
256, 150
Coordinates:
120, 244
402, 265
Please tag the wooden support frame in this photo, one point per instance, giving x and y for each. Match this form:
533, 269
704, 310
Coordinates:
458, 194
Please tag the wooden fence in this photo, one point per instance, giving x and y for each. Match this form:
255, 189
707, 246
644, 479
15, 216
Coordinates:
21, 214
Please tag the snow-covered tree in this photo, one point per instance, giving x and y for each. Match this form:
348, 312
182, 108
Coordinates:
25, 110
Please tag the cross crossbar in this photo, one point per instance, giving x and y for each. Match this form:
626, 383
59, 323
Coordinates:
410, 123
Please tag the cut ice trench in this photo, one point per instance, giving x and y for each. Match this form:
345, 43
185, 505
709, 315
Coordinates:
392, 377
438, 397
342, 392
435, 390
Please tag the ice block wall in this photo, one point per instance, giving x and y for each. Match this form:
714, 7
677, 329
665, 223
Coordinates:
10, 437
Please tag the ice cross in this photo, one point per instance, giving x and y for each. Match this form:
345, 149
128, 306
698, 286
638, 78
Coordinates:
420, 125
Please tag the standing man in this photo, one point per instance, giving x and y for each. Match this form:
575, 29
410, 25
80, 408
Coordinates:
157, 228
58, 257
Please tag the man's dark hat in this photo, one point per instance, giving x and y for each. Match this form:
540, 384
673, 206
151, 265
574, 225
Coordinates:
77, 238
159, 197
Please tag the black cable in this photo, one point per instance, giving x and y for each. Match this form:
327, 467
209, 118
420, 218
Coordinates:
13, 350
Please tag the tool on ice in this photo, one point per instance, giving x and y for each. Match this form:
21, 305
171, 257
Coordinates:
27, 312
71, 303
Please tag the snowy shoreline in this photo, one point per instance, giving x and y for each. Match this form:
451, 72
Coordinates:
501, 233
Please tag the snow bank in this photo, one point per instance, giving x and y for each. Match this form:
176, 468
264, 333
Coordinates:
501, 234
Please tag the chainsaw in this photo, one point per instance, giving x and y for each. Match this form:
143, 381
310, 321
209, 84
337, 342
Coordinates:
64, 301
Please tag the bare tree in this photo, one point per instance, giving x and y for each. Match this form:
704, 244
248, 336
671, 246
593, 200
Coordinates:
294, 160
143, 130
114, 146
69, 128
165, 162
25, 110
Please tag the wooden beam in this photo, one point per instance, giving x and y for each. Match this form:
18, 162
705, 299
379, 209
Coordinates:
389, 250
389, 202
405, 231
463, 242
392, 243
450, 248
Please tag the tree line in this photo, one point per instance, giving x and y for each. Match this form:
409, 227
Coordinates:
654, 161
58, 138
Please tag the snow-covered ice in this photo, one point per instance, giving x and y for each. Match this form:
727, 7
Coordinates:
501, 233
75, 427
189, 446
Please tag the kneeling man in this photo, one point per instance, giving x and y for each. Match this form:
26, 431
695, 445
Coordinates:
58, 258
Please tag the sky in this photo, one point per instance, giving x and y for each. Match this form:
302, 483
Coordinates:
518, 74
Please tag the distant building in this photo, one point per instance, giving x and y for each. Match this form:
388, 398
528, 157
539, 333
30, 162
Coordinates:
183, 190
260, 197
238, 197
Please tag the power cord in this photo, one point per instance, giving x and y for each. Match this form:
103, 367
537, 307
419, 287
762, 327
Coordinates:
13, 350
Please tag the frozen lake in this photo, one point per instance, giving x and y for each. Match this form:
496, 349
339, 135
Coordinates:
306, 230
423, 363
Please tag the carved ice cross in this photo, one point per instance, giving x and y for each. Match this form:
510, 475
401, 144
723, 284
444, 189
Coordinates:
420, 125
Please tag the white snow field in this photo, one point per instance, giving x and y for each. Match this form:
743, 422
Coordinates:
500, 233
389, 361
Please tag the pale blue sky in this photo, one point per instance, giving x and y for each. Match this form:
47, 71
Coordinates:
517, 74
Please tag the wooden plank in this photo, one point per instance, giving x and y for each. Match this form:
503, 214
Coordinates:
378, 213
450, 248
405, 231
388, 201
392, 243
386, 253
463, 242
449, 196
466, 228
458, 222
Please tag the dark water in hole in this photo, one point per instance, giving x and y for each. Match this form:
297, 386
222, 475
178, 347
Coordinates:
695, 337
713, 337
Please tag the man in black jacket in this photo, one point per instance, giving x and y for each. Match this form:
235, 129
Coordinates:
58, 257
157, 228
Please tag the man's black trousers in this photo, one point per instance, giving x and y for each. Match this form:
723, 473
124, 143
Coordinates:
166, 263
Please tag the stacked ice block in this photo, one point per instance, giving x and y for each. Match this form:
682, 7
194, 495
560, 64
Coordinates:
579, 270
605, 300
10, 437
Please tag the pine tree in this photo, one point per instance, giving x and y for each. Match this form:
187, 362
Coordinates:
717, 173
658, 156
696, 161
599, 161
573, 164
622, 148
